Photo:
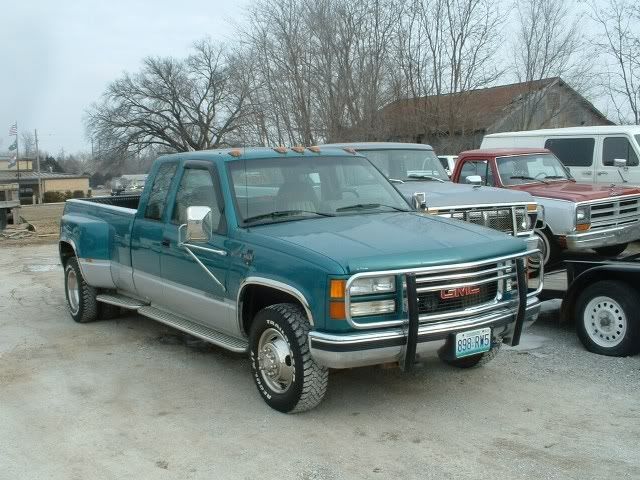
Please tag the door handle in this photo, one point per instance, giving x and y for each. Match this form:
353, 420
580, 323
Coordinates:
166, 242
602, 173
587, 172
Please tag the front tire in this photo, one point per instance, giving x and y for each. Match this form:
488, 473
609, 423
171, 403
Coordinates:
607, 318
548, 246
612, 251
288, 378
81, 298
474, 360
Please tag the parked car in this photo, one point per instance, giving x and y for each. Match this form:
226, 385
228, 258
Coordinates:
577, 216
419, 176
594, 154
306, 259
603, 300
448, 162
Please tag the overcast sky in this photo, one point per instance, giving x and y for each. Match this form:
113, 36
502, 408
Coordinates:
56, 57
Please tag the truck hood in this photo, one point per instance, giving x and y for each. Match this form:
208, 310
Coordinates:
576, 192
449, 194
385, 241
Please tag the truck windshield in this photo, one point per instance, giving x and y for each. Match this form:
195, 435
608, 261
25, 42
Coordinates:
408, 165
521, 169
284, 189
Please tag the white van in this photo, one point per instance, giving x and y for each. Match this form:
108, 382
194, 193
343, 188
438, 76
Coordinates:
589, 152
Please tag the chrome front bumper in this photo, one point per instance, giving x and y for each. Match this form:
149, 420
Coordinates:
387, 345
604, 237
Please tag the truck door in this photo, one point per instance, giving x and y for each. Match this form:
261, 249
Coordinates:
192, 290
147, 234
617, 146
577, 153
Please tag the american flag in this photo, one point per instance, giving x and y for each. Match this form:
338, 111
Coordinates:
13, 129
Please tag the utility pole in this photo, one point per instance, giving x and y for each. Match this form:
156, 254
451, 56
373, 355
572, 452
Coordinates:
35, 131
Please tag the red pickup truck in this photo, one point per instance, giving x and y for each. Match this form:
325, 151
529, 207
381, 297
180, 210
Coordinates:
578, 216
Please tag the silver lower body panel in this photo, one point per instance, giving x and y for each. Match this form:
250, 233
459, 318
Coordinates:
604, 237
347, 350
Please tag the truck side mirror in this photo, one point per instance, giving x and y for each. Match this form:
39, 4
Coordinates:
199, 226
474, 179
620, 163
420, 201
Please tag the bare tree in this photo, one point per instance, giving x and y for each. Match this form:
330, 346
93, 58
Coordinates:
619, 42
174, 105
446, 48
27, 144
547, 44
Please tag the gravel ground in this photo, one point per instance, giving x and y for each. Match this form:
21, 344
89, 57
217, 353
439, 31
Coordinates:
131, 398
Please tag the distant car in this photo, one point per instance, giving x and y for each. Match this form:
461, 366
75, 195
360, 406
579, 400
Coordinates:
448, 162
117, 190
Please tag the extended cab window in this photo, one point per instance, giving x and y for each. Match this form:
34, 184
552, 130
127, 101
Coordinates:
159, 191
407, 165
618, 147
573, 152
477, 167
197, 189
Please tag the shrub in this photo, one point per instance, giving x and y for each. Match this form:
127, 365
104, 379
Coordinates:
68, 194
53, 197
78, 194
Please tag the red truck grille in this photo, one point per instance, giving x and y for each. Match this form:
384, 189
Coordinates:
615, 212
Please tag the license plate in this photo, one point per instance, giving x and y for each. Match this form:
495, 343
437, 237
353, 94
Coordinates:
472, 342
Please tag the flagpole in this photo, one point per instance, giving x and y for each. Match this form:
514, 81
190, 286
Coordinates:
38, 168
18, 160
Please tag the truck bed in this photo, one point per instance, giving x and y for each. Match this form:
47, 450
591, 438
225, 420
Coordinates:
124, 201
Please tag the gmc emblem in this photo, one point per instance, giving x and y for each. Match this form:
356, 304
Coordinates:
450, 293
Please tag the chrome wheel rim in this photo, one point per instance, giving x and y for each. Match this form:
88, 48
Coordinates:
275, 360
543, 245
73, 292
605, 322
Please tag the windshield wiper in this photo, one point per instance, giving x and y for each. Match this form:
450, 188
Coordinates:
285, 213
525, 177
424, 177
395, 180
555, 177
368, 206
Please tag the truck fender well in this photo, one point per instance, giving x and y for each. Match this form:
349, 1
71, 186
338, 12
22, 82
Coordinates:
605, 272
264, 292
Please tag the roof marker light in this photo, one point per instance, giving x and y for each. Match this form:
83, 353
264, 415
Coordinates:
299, 149
314, 149
235, 153
350, 150
281, 149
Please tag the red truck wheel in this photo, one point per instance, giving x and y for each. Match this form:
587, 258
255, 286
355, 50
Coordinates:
286, 375
607, 318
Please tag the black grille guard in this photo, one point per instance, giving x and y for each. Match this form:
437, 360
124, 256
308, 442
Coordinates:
414, 322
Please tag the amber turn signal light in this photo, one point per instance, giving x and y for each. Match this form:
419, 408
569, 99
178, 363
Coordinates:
583, 227
337, 289
337, 311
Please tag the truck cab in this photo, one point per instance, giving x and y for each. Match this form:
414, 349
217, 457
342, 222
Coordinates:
577, 216
305, 259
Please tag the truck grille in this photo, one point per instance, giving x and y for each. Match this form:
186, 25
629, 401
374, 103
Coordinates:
615, 213
497, 218
443, 295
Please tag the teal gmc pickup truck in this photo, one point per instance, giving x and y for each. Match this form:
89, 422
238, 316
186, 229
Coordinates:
305, 259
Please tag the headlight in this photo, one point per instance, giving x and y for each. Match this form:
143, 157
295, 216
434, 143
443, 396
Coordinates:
368, 286
583, 214
378, 307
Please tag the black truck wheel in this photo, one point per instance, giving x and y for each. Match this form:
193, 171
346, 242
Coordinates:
473, 360
288, 379
81, 298
548, 246
612, 251
607, 318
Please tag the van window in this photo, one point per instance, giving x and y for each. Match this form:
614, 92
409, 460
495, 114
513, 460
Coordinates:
160, 190
573, 152
618, 147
